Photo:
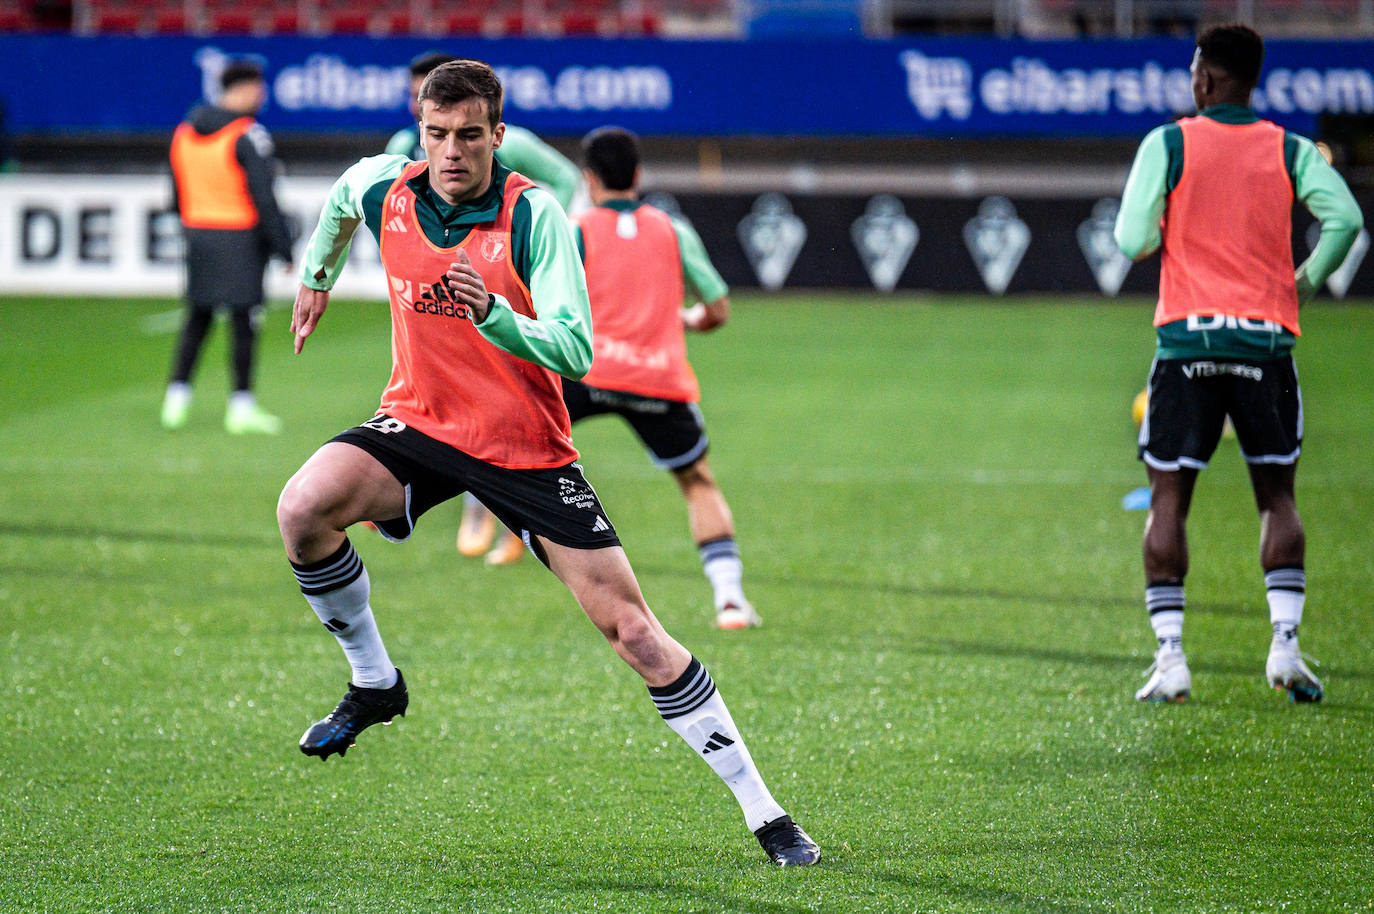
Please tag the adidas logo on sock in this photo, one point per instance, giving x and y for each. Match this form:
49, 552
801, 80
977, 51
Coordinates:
715, 741
336, 625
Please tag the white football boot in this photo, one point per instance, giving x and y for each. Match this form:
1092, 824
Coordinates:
1287, 673
1169, 679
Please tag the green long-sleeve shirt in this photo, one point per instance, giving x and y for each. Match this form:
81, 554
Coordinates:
1155, 173
543, 250
520, 151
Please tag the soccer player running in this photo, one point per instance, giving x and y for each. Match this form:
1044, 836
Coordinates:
223, 171
1214, 193
488, 307
521, 151
640, 265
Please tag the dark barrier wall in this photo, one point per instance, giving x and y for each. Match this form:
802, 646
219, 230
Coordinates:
994, 245
932, 88
72, 234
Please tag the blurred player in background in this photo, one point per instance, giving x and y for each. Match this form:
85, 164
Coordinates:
223, 172
1215, 194
641, 267
521, 151
488, 307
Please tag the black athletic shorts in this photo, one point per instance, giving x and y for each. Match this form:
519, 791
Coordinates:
1191, 398
673, 431
558, 504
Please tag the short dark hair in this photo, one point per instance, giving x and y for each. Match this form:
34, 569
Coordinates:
424, 64
612, 154
1236, 49
240, 70
459, 80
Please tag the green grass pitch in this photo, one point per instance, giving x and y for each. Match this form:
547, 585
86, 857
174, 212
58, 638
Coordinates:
928, 494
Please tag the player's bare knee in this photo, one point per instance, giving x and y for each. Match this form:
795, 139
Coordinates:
299, 515
694, 475
635, 634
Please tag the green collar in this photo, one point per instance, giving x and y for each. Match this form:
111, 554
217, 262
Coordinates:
623, 206
470, 212
1230, 114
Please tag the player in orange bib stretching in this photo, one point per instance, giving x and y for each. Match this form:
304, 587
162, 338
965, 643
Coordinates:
488, 308
641, 264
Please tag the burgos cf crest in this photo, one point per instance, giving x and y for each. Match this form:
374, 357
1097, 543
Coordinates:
884, 236
1098, 244
772, 237
997, 240
493, 249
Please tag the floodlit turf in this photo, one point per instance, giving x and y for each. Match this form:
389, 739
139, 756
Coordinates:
928, 497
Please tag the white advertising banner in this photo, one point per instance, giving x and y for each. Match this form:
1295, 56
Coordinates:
114, 235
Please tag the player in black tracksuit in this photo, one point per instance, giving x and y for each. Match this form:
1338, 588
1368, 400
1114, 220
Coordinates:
223, 169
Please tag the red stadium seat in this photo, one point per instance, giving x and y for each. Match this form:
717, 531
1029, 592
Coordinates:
507, 23
170, 21
579, 22
348, 20
445, 9
116, 19
16, 20
390, 22
231, 22
460, 24
645, 23
282, 21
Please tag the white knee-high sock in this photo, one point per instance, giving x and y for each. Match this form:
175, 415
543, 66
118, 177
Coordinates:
1286, 591
337, 589
721, 562
1165, 601
696, 712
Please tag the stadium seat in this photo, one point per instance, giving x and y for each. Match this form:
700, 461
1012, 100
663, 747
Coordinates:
116, 19
350, 20
282, 22
16, 20
231, 22
460, 24
442, 10
642, 23
390, 22
506, 23
579, 22
170, 21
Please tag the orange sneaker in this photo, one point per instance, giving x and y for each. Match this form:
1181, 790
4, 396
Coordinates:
511, 549
476, 531
733, 617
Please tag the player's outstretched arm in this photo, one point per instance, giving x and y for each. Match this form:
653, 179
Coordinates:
306, 313
704, 317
